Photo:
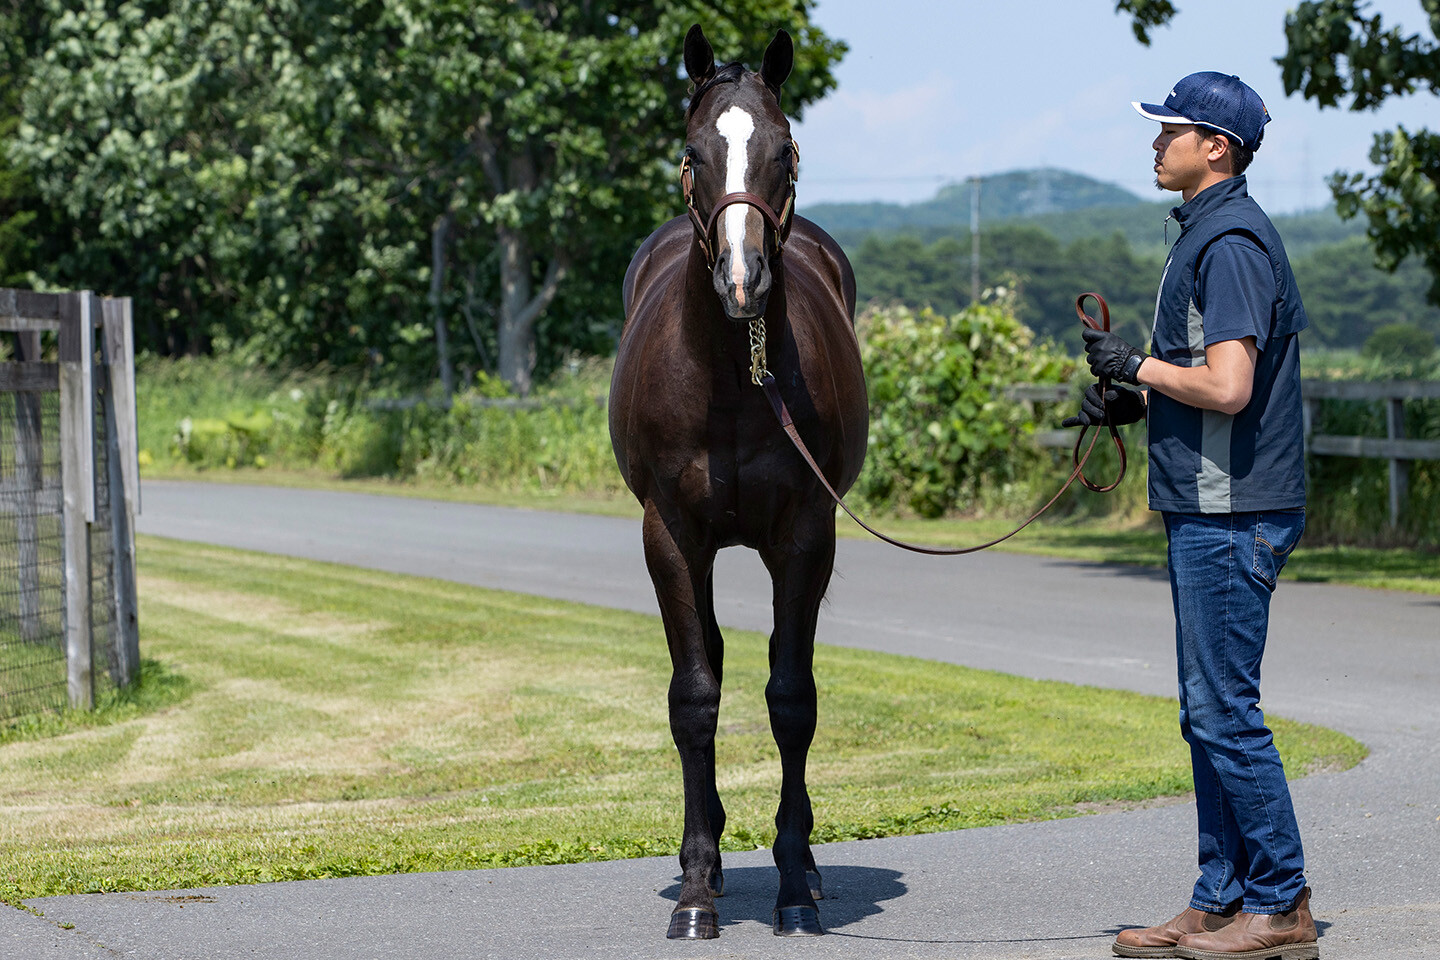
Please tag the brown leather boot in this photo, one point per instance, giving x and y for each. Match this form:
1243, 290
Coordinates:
1258, 936
1160, 941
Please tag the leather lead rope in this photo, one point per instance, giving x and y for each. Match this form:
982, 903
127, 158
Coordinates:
782, 414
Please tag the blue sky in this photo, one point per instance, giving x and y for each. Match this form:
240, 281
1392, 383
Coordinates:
937, 91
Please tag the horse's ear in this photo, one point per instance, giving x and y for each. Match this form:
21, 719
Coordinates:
779, 58
699, 57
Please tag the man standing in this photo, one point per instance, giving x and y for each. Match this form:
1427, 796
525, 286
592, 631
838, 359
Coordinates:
1227, 473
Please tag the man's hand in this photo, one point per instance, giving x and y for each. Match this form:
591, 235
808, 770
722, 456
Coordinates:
1110, 356
1121, 407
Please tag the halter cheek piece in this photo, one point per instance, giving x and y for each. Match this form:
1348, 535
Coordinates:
705, 229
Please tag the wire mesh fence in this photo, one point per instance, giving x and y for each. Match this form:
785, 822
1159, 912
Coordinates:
32, 603
68, 630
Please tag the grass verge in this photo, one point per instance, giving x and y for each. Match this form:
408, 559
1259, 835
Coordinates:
333, 721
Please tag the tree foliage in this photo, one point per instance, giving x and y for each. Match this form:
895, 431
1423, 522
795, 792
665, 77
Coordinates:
1146, 15
20, 208
360, 182
1348, 296
1042, 275
1335, 50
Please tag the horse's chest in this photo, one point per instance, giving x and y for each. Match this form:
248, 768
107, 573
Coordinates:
737, 475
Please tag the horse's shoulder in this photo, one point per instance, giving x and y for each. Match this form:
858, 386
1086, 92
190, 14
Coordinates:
820, 251
662, 251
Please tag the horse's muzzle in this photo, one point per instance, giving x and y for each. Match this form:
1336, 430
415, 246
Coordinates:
744, 292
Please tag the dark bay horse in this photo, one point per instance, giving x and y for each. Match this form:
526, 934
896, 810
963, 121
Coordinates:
700, 448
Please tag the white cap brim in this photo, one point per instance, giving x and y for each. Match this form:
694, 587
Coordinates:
1153, 111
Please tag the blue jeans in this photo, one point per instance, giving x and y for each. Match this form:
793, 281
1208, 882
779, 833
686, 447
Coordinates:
1222, 573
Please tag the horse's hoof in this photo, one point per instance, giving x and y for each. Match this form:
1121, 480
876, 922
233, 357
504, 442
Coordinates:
693, 923
717, 883
812, 877
797, 922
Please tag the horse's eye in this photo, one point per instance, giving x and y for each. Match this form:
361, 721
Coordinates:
692, 156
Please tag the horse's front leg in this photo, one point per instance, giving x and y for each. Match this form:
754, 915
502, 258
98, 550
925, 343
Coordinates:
680, 570
800, 572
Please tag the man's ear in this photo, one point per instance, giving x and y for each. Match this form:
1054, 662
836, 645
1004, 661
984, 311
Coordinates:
1220, 149
699, 56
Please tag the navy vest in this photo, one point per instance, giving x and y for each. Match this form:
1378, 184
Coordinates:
1205, 461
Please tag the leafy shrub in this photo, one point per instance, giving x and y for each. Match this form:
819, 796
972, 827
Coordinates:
940, 426
1399, 343
237, 440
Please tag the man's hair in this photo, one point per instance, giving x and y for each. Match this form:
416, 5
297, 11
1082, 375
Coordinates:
1240, 155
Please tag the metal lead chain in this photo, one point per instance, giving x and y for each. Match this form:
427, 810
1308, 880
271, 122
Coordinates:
758, 370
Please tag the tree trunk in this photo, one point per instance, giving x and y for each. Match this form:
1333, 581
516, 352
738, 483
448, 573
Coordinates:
521, 306
439, 233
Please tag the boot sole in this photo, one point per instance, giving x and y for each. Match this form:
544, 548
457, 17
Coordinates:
1120, 950
1288, 951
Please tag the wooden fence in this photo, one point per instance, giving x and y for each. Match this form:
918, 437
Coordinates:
92, 485
1394, 446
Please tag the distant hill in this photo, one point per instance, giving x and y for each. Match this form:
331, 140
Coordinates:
1003, 196
1070, 206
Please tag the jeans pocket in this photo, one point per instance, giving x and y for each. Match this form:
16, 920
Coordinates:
1276, 535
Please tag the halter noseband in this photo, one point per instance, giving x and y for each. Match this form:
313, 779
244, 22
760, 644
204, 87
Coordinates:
705, 229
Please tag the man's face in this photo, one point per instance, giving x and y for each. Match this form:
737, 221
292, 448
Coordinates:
1182, 157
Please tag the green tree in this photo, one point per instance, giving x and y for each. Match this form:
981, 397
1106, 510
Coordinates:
1358, 298
1334, 51
328, 180
1043, 276
21, 220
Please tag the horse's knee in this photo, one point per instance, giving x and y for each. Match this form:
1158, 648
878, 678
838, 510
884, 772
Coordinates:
694, 708
792, 703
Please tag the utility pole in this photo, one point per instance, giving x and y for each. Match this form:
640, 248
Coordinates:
974, 239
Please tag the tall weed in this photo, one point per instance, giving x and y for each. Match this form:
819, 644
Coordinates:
1349, 497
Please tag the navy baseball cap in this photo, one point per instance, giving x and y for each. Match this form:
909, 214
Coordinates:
1217, 100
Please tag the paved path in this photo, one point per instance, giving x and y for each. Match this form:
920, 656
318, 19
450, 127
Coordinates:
1363, 661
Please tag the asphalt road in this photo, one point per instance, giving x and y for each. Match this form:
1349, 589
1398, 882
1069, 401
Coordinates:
1362, 661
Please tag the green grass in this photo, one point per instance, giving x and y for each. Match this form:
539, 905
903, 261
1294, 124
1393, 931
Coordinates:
303, 720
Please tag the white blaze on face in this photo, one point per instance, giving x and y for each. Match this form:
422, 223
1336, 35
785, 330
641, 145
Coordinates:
735, 125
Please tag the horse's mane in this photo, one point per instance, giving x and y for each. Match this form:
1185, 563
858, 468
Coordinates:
729, 73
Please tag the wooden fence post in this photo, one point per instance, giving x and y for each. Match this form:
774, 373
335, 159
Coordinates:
77, 459
1308, 405
1399, 469
123, 479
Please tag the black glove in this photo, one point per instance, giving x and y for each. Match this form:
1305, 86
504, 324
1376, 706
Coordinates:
1110, 356
1121, 407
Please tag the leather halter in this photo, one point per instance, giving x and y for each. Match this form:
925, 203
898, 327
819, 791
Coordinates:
705, 228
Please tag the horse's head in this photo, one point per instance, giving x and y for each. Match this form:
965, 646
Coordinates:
738, 156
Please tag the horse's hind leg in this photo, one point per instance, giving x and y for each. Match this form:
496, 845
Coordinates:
681, 585
800, 576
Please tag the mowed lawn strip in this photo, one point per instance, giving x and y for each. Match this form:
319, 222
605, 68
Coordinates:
328, 721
